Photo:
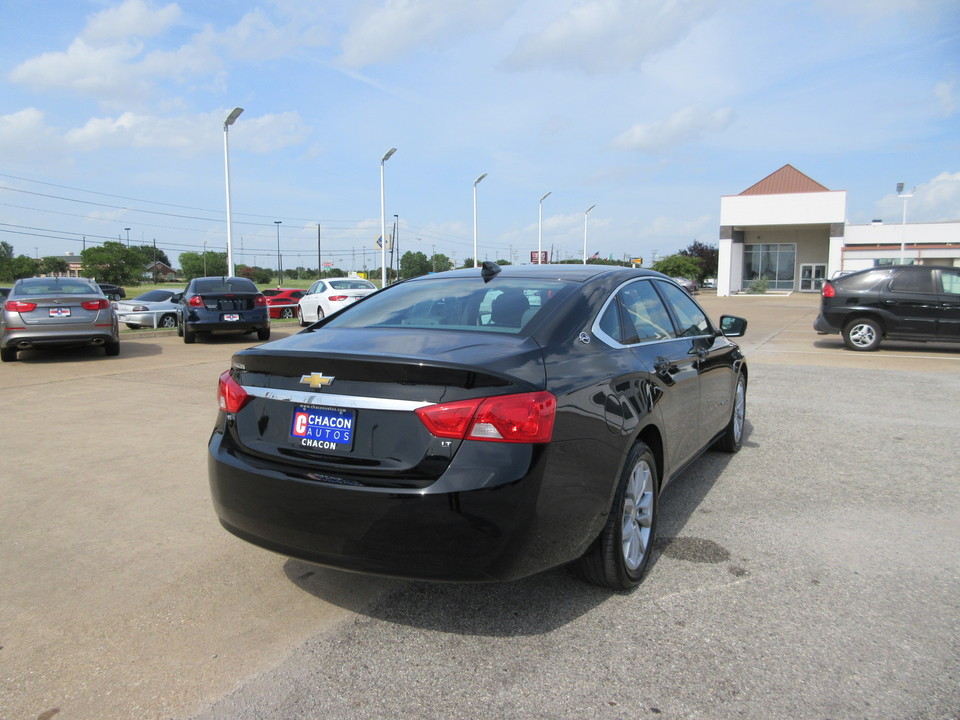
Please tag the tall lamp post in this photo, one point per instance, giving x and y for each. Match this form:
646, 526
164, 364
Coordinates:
279, 257
383, 221
231, 119
128, 236
540, 229
475, 251
585, 213
903, 227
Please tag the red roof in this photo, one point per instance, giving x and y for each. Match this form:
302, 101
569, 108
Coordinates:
785, 180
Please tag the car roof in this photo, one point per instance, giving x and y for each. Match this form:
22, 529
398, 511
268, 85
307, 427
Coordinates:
565, 271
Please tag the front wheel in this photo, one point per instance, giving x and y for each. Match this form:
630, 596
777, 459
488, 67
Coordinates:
862, 334
168, 321
286, 313
732, 439
618, 558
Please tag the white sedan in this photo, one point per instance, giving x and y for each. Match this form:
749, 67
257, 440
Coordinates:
327, 296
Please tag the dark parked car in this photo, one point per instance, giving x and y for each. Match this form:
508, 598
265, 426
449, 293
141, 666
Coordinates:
113, 292
222, 304
478, 425
52, 311
895, 302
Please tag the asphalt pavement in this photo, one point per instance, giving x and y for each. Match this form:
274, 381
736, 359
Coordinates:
815, 574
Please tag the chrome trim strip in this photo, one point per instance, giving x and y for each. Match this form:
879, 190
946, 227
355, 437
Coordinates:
343, 401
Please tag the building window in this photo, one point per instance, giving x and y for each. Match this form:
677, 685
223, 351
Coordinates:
774, 261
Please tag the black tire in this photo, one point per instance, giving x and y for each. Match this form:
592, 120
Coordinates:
862, 334
732, 439
286, 313
133, 326
188, 337
263, 334
300, 317
619, 556
112, 349
167, 321
8, 354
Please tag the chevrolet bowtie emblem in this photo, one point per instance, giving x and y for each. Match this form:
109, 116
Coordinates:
315, 380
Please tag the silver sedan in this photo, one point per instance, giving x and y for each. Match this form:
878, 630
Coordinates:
154, 308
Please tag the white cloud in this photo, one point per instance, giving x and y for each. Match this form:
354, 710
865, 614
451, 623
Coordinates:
133, 18
399, 26
937, 200
25, 136
684, 126
609, 35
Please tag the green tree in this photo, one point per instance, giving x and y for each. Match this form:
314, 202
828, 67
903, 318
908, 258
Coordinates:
151, 252
53, 265
22, 266
114, 262
205, 264
6, 259
709, 259
414, 264
440, 263
679, 266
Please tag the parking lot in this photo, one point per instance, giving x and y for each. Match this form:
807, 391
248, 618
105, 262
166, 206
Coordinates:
816, 574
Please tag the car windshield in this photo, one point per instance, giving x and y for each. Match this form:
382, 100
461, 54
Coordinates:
352, 285
56, 286
155, 295
224, 285
504, 305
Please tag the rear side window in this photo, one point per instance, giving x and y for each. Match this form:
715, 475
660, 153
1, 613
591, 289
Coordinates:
503, 305
859, 282
913, 280
691, 319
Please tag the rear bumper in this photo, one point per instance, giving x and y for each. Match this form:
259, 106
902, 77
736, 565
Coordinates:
24, 339
497, 532
824, 327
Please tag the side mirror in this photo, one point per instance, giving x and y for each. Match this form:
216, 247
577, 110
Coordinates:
733, 326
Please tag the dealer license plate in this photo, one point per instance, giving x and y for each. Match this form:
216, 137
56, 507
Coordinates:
231, 317
59, 312
322, 428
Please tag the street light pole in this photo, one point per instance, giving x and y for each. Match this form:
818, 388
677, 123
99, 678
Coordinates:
128, 236
903, 227
279, 257
383, 222
231, 119
585, 213
475, 250
540, 229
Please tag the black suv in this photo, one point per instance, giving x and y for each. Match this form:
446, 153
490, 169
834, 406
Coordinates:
895, 302
222, 304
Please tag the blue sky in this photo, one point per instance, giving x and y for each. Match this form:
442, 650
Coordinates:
111, 117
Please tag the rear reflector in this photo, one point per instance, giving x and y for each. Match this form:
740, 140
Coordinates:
230, 396
523, 418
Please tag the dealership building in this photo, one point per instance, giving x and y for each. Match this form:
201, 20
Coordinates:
792, 231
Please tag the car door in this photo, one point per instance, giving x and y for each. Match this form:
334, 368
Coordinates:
948, 322
911, 304
647, 329
310, 300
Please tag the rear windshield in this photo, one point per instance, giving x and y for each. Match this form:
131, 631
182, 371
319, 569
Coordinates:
352, 285
56, 286
503, 305
225, 285
862, 281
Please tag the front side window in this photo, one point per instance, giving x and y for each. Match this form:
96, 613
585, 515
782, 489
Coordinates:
691, 319
635, 314
913, 280
950, 281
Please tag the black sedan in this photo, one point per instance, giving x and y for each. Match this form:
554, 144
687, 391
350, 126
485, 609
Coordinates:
478, 424
222, 305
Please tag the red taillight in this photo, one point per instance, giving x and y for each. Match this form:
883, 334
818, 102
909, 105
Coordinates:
261, 300
337, 298
827, 290
19, 306
195, 301
230, 396
524, 418
95, 304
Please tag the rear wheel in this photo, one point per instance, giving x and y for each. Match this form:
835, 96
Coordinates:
188, 337
286, 313
263, 334
8, 354
112, 348
732, 439
168, 321
133, 326
618, 558
300, 316
862, 334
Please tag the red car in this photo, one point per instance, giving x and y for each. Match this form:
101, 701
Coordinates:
282, 302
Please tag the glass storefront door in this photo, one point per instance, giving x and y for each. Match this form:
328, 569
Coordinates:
812, 276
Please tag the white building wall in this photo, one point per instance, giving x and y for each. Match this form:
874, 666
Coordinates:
784, 209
